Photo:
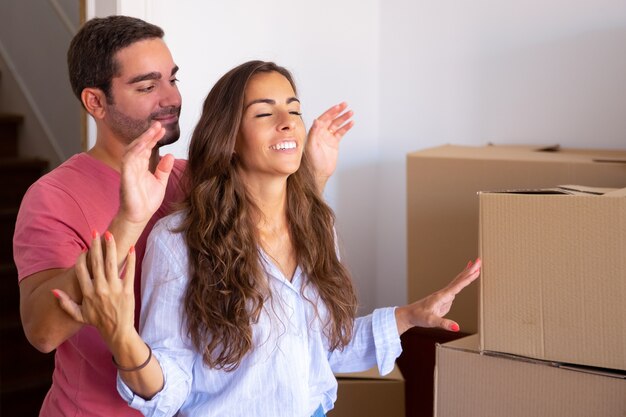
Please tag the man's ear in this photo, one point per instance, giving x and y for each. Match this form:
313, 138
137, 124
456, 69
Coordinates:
94, 101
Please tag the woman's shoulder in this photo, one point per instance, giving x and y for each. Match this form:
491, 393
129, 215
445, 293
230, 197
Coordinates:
167, 228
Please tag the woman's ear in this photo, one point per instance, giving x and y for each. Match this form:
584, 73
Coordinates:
94, 101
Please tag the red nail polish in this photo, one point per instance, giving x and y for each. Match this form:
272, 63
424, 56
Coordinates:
132, 249
94, 234
107, 236
455, 327
469, 264
56, 294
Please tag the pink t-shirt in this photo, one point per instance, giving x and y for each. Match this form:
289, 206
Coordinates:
54, 224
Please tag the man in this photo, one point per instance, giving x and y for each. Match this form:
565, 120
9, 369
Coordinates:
125, 77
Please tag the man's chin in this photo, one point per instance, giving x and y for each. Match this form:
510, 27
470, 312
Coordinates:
171, 136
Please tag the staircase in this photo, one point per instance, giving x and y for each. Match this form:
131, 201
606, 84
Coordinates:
25, 373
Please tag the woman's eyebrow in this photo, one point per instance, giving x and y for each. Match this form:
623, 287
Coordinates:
270, 101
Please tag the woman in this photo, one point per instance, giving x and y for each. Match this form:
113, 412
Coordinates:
246, 307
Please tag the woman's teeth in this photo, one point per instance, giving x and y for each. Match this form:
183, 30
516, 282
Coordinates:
284, 145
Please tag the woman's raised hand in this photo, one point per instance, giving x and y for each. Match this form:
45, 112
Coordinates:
323, 142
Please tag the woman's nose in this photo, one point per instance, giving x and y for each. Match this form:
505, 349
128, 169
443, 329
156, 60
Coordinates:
287, 122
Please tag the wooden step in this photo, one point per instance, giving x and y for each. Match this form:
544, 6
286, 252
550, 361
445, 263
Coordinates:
7, 228
16, 175
25, 373
22, 364
9, 125
23, 403
9, 289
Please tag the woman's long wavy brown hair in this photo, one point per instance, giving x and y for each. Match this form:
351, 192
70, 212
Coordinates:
228, 287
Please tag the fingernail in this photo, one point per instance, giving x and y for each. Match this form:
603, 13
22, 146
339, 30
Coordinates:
469, 264
94, 234
108, 236
132, 249
455, 327
56, 294
84, 250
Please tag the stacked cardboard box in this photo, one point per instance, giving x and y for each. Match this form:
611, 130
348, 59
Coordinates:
553, 283
368, 394
552, 335
442, 210
442, 204
473, 384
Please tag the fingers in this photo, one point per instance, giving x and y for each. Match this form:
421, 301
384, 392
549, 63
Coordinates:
344, 129
335, 120
339, 123
148, 139
68, 305
129, 273
330, 114
164, 168
138, 151
82, 273
96, 262
449, 325
111, 272
465, 278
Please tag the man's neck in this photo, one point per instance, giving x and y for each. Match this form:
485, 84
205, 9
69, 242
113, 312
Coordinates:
112, 156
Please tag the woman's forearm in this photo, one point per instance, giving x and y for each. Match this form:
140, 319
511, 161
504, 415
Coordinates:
137, 366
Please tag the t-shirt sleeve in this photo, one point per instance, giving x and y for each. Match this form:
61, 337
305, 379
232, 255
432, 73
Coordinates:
48, 230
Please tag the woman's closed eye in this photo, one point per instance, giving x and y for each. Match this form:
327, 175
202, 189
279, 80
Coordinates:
295, 113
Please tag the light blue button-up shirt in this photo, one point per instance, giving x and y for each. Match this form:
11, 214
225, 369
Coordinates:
288, 373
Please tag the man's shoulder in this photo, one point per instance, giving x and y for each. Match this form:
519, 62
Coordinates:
79, 171
180, 164
175, 190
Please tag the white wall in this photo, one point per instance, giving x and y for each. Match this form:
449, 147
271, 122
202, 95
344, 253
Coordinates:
418, 74
550, 71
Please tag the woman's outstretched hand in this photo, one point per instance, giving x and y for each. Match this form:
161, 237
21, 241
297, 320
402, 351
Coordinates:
430, 311
108, 301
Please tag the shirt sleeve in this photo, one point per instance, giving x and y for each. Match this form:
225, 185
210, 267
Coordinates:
375, 342
49, 230
164, 281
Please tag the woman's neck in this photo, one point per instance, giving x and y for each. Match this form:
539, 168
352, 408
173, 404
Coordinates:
270, 198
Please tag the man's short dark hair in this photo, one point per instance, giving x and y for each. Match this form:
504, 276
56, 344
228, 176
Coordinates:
91, 55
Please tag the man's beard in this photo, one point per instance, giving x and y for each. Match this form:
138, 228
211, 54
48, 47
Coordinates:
130, 129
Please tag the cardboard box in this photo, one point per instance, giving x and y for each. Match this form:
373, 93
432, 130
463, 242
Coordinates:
442, 204
553, 282
368, 394
471, 384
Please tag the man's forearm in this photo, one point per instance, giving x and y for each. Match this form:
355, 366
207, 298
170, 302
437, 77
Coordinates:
45, 324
